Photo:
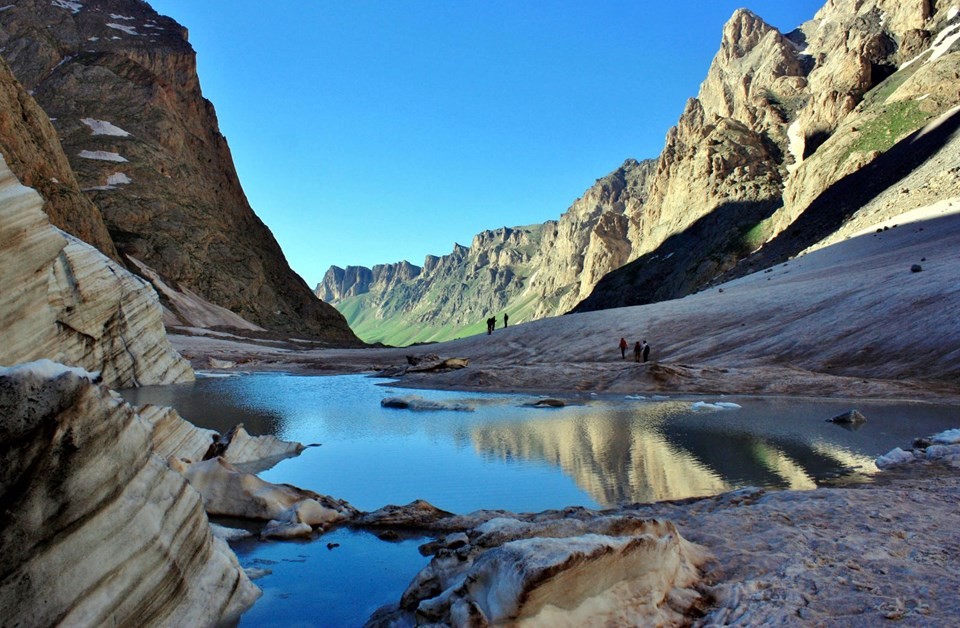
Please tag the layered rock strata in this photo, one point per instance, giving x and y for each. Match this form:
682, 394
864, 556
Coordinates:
95, 529
68, 302
120, 83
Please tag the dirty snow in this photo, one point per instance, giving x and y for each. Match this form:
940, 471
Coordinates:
118, 178
129, 30
101, 155
102, 127
73, 7
47, 369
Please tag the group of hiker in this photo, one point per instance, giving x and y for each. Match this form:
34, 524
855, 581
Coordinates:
641, 351
492, 322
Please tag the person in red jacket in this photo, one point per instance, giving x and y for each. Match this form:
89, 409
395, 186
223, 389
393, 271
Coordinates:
623, 348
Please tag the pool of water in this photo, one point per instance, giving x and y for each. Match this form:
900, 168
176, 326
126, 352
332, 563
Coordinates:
594, 452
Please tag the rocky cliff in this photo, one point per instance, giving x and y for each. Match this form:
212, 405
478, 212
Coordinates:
95, 529
780, 128
817, 125
119, 82
526, 272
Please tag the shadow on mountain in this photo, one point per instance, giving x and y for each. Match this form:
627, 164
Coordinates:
838, 203
685, 262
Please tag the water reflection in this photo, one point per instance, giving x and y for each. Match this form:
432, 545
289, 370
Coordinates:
508, 456
505, 455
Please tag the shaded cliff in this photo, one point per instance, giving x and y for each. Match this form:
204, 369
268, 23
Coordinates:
119, 81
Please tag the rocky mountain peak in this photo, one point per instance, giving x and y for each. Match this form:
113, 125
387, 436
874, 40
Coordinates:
742, 33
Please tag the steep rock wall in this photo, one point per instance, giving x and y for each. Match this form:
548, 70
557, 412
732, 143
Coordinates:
120, 82
30, 146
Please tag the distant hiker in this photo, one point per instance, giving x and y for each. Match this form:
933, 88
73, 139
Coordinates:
646, 351
491, 322
506, 317
623, 348
637, 350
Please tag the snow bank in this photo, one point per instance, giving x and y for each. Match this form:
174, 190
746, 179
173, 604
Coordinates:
949, 437
47, 369
893, 458
101, 155
129, 30
102, 127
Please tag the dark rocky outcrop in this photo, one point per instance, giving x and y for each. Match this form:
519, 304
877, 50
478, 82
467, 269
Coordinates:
119, 81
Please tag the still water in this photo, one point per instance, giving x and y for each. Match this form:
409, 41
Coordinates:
596, 452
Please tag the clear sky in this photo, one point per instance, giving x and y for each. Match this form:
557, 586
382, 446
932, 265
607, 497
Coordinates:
368, 132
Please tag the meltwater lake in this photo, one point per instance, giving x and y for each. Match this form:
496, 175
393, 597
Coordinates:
598, 451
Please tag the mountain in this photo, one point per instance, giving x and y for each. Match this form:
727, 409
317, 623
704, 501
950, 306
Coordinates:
834, 113
766, 155
119, 83
528, 272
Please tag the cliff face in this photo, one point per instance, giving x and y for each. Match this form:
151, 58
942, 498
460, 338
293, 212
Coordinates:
788, 144
813, 127
120, 83
526, 272
30, 147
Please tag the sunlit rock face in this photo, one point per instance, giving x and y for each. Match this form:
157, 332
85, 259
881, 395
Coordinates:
607, 571
773, 141
790, 141
95, 529
528, 272
119, 80
64, 300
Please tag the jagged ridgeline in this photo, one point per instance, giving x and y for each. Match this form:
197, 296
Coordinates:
144, 173
794, 141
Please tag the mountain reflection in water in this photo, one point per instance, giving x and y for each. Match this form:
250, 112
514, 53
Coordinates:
604, 452
505, 455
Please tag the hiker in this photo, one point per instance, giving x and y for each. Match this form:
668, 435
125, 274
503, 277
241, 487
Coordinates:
637, 350
645, 351
491, 322
623, 348
506, 317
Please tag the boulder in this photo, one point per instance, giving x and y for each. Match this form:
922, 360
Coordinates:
95, 529
850, 417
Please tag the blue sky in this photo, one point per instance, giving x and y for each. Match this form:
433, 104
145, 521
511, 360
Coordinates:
369, 132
